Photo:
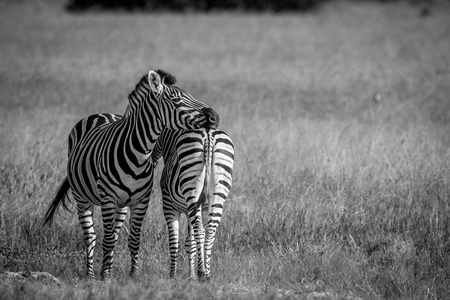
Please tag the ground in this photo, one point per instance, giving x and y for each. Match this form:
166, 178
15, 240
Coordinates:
340, 120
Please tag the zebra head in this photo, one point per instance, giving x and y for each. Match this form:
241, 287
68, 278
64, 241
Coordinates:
178, 109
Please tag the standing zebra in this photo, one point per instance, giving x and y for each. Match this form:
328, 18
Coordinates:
190, 158
109, 161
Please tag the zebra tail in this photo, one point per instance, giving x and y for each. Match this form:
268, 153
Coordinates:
59, 198
204, 196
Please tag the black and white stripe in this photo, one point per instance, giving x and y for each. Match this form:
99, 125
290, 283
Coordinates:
110, 166
198, 166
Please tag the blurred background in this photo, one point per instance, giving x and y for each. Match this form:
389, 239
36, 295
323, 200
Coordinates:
339, 111
213, 5
183, 5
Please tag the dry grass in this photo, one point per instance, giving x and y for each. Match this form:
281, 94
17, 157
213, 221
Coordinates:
335, 195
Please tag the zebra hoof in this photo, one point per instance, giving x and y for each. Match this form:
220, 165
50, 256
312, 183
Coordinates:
202, 277
106, 277
86, 277
133, 274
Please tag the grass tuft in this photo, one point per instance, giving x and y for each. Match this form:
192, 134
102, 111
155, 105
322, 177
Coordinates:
340, 122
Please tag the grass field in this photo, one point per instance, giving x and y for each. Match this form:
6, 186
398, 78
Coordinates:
336, 195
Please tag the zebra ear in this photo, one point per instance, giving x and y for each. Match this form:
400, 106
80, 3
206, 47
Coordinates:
155, 83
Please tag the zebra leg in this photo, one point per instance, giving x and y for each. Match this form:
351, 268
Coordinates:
137, 214
113, 218
221, 190
191, 248
172, 217
213, 223
199, 235
222, 169
85, 214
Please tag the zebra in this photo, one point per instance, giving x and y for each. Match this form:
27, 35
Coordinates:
191, 157
109, 163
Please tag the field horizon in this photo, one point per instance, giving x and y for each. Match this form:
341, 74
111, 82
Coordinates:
340, 121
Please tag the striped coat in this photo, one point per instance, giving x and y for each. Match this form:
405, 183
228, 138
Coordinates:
110, 166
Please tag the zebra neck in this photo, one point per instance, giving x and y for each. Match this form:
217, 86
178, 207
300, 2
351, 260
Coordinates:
136, 97
143, 121
143, 130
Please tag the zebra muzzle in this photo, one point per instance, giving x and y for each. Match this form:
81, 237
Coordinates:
212, 118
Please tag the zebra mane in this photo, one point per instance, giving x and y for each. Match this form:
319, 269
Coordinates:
143, 84
142, 87
167, 77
